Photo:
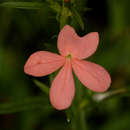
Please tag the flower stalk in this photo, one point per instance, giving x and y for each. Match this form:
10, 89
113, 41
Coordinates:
76, 114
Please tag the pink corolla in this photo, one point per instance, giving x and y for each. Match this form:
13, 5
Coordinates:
73, 49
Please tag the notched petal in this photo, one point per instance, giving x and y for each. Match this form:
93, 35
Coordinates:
79, 47
42, 63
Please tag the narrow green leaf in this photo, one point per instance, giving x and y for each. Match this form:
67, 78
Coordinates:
24, 5
76, 16
110, 94
27, 104
56, 7
42, 86
64, 17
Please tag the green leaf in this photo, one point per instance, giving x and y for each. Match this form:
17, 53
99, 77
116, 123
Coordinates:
64, 16
76, 17
42, 86
99, 97
24, 5
54, 5
27, 104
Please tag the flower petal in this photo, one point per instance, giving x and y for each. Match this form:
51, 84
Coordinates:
62, 90
42, 63
79, 47
92, 75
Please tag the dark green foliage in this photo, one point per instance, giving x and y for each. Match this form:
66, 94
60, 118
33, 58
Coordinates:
32, 25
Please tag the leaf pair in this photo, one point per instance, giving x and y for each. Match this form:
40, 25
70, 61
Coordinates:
63, 14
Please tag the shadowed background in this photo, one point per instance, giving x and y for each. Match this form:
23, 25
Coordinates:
23, 106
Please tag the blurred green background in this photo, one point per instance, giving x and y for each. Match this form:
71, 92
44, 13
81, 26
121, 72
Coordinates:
26, 28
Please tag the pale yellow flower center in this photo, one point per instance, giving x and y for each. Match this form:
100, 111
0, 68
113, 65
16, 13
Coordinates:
69, 56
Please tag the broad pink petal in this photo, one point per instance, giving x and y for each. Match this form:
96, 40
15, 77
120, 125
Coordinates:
79, 47
62, 90
42, 63
93, 76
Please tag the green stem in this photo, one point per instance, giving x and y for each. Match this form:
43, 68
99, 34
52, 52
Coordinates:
81, 112
76, 114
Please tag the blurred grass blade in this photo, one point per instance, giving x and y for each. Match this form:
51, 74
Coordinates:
23, 5
106, 95
42, 86
88, 9
27, 104
76, 16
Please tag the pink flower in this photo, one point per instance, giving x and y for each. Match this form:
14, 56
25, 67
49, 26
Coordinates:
73, 50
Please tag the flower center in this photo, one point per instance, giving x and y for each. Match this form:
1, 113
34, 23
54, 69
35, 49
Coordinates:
69, 56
